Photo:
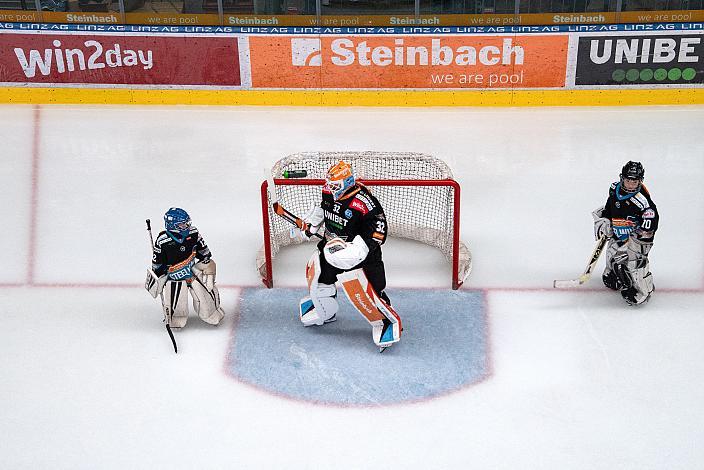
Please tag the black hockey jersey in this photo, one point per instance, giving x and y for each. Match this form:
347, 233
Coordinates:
358, 212
631, 213
177, 259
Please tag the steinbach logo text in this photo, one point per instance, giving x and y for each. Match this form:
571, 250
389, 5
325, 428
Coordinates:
346, 52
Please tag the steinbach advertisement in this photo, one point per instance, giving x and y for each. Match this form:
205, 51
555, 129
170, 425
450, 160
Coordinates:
640, 59
119, 59
447, 61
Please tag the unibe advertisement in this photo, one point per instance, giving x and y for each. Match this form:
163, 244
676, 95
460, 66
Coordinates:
640, 60
408, 61
119, 59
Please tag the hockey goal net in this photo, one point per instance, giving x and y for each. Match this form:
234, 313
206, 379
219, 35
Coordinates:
420, 198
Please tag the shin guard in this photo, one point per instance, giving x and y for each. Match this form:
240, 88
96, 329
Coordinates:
320, 306
176, 303
385, 322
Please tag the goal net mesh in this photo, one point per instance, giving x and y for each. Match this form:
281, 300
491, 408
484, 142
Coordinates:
417, 192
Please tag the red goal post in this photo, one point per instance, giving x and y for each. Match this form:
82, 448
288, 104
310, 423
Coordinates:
420, 198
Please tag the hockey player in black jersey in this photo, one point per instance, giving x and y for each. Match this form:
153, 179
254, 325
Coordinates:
353, 228
629, 220
183, 263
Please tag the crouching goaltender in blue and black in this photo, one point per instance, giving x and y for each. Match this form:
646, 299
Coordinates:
182, 263
629, 220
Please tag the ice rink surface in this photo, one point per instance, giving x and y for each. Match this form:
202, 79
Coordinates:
577, 379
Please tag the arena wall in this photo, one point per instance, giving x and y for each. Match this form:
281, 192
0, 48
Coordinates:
625, 64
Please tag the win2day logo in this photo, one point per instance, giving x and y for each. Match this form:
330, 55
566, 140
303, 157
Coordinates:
306, 52
640, 60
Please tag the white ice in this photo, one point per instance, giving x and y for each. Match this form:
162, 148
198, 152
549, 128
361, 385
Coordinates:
579, 381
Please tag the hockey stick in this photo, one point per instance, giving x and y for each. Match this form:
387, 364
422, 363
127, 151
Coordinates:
561, 284
281, 211
167, 316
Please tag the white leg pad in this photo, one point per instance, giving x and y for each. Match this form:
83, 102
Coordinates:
385, 322
321, 304
206, 303
176, 303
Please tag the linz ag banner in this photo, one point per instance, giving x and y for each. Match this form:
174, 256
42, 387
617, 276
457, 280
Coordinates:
378, 62
640, 60
119, 59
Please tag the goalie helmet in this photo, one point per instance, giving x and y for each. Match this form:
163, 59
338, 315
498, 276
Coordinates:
634, 172
178, 223
339, 179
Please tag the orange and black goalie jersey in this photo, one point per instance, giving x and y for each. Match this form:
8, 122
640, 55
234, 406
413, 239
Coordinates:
631, 214
357, 212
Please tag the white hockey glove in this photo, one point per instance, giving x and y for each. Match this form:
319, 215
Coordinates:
314, 220
205, 271
345, 255
154, 284
602, 225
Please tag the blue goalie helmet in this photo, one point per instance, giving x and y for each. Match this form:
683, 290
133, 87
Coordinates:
178, 223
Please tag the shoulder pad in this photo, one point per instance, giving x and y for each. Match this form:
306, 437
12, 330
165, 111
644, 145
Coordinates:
613, 186
640, 201
363, 202
162, 238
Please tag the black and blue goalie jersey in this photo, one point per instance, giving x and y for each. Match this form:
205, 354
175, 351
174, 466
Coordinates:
177, 259
631, 214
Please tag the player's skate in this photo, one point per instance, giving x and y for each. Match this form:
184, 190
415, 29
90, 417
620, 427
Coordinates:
384, 336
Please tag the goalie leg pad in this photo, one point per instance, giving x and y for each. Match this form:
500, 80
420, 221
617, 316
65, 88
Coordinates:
176, 303
206, 303
385, 322
321, 305
632, 269
641, 286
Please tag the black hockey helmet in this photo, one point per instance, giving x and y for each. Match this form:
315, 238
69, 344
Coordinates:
632, 171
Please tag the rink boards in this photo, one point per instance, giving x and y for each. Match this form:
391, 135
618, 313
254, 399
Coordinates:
376, 66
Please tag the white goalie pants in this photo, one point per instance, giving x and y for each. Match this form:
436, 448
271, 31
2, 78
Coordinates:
206, 303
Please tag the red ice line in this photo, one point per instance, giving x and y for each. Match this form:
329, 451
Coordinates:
32, 251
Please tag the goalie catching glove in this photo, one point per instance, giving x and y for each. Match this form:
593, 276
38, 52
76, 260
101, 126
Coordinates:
602, 225
313, 220
345, 255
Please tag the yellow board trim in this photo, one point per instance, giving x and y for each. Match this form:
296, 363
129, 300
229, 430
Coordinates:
610, 97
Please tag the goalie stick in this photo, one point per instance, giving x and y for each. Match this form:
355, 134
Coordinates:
566, 283
281, 211
167, 316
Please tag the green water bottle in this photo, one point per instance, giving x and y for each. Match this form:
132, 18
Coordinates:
295, 173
